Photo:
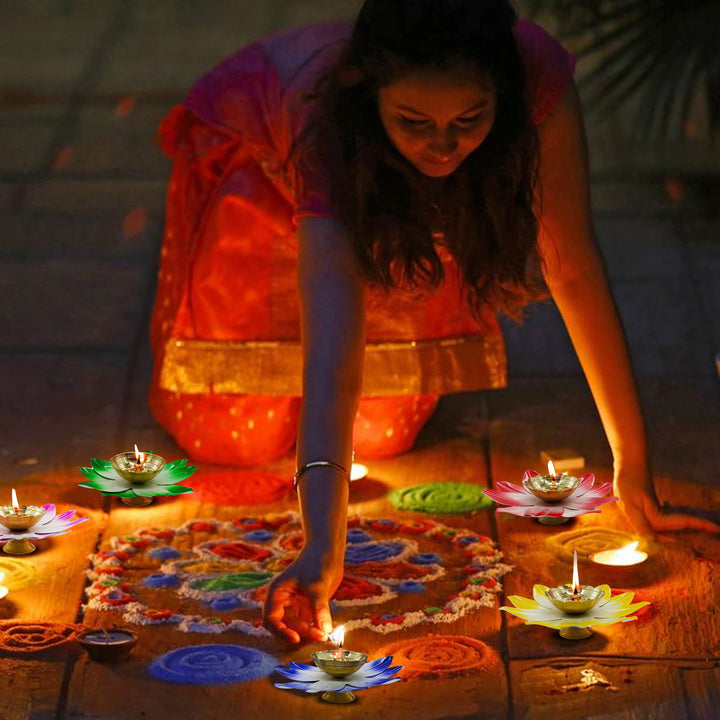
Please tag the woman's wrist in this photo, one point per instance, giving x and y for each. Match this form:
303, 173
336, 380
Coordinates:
323, 494
633, 458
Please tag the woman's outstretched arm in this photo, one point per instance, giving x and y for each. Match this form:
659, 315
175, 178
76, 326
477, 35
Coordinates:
576, 276
333, 333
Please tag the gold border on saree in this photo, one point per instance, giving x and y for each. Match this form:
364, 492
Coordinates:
475, 362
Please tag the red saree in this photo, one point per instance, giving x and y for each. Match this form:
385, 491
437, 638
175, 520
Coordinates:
225, 326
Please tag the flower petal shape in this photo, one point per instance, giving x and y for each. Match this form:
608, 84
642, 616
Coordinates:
541, 611
511, 497
49, 525
103, 477
519, 501
312, 679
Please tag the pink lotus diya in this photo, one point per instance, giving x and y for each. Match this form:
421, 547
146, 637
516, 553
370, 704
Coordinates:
552, 499
19, 524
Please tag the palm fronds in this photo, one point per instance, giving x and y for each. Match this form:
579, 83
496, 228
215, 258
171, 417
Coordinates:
660, 53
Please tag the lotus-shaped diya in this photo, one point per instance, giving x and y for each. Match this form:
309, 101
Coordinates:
597, 605
552, 499
340, 677
137, 477
48, 524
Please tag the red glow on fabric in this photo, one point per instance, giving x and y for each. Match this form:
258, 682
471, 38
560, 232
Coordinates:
238, 487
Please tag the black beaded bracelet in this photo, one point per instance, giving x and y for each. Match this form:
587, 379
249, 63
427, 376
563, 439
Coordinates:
317, 463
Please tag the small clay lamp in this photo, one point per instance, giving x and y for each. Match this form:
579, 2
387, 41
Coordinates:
338, 663
107, 645
137, 467
19, 517
626, 556
575, 599
621, 566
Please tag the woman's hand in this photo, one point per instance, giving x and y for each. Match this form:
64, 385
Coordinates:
297, 604
640, 504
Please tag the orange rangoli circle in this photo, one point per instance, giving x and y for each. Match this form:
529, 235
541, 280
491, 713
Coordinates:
588, 541
34, 637
440, 656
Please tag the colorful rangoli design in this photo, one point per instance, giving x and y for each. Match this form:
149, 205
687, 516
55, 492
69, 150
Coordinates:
27, 638
587, 541
441, 656
212, 665
18, 573
212, 576
441, 498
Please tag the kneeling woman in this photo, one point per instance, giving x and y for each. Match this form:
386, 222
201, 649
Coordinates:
350, 207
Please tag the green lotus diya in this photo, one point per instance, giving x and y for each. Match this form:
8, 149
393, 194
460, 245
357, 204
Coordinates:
136, 478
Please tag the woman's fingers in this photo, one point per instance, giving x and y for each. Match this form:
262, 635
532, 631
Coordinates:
679, 521
638, 519
322, 618
279, 598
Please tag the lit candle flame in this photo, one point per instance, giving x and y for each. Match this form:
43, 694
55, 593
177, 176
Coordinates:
551, 469
139, 457
15, 503
576, 577
338, 636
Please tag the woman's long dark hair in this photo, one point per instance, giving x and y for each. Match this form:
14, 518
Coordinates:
394, 213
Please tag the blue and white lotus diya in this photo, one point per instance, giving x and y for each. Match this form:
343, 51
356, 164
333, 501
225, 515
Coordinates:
337, 674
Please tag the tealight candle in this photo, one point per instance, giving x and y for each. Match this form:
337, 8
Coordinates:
551, 487
137, 467
339, 663
623, 557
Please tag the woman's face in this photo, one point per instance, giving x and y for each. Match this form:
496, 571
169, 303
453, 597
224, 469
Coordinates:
436, 119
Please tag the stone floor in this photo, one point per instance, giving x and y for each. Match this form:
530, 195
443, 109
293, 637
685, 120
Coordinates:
81, 204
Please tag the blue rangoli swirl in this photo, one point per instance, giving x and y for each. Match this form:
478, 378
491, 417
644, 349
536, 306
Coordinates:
212, 665
372, 552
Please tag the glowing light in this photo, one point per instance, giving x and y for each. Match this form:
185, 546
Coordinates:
15, 503
358, 472
139, 459
551, 469
337, 636
576, 577
624, 556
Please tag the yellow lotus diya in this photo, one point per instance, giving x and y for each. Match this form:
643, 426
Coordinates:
573, 609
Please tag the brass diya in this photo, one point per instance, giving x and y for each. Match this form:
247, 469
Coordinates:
339, 664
